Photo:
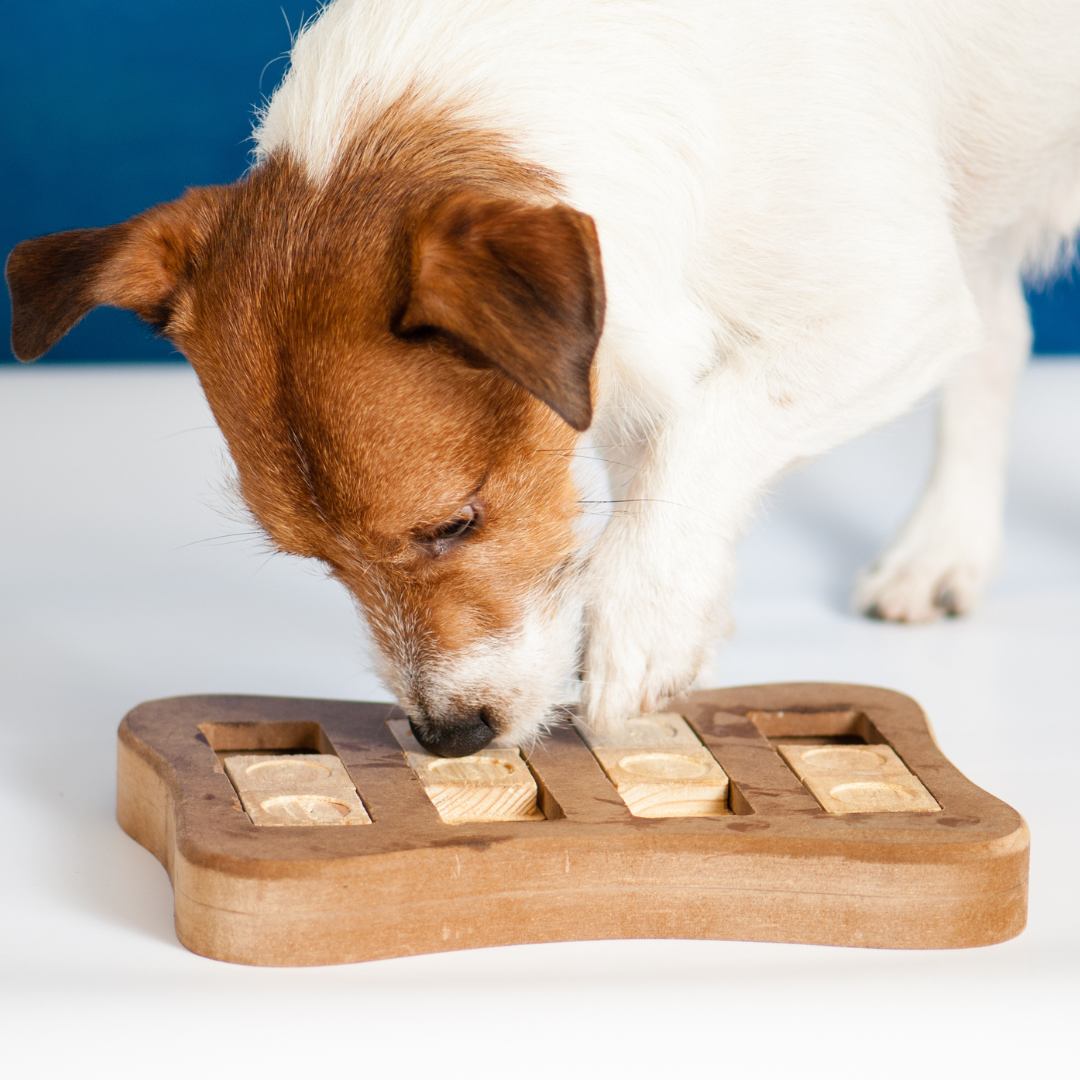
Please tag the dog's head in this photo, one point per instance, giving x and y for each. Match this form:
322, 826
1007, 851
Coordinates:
400, 370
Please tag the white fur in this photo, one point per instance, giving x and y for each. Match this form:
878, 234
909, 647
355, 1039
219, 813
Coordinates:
487, 676
810, 214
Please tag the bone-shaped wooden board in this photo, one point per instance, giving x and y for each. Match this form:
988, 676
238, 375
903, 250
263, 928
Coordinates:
830, 817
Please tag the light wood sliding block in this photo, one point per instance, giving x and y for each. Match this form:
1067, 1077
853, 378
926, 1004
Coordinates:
296, 789
661, 783
656, 729
659, 767
491, 785
853, 779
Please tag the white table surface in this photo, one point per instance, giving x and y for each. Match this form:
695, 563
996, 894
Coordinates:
120, 582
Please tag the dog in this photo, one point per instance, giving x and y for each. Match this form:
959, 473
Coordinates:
721, 237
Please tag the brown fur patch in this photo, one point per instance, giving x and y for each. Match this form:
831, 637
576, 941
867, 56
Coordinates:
519, 287
352, 440
52, 283
55, 280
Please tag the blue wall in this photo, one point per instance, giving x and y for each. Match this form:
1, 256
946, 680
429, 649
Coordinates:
110, 106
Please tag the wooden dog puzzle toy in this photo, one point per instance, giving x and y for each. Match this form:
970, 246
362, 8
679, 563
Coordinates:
320, 832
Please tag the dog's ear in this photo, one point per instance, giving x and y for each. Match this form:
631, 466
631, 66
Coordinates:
55, 280
516, 287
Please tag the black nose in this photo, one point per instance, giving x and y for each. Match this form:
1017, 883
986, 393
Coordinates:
453, 738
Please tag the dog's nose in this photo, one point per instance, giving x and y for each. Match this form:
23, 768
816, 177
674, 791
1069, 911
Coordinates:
456, 738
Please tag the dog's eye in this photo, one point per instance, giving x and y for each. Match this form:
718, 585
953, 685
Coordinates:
450, 533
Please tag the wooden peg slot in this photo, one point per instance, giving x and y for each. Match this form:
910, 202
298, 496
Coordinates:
659, 767
491, 785
295, 789
854, 779
838, 726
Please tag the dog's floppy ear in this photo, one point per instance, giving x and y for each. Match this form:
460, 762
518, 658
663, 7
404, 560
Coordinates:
518, 288
55, 280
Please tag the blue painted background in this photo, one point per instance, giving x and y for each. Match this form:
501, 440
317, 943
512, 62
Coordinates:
110, 106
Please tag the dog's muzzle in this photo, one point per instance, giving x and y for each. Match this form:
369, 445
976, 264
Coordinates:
453, 738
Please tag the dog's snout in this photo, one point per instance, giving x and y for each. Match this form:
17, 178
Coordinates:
454, 738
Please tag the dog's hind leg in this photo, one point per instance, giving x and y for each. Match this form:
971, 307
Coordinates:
944, 556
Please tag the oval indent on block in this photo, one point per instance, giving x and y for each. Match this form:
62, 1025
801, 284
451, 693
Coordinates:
314, 808
660, 766
284, 769
475, 770
866, 792
847, 758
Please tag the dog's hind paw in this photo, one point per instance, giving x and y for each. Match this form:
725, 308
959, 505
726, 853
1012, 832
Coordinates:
920, 589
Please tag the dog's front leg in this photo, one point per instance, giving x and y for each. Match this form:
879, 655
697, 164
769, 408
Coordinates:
661, 572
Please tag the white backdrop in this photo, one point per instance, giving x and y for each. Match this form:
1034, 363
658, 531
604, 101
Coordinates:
113, 590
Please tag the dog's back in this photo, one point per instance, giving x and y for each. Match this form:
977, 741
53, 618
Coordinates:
747, 163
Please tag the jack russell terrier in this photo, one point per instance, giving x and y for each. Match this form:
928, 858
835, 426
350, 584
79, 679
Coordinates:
721, 235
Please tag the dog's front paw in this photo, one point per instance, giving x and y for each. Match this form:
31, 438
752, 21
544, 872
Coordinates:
635, 666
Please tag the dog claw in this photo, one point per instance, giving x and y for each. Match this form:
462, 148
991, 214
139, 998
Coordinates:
948, 602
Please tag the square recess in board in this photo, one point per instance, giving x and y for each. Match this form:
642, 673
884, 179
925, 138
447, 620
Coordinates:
778, 867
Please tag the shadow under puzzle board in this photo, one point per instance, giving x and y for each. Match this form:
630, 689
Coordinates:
777, 867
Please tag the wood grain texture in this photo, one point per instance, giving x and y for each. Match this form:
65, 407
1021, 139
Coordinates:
288, 790
491, 785
659, 767
668, 730
849, 779
666, 783
779, 868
